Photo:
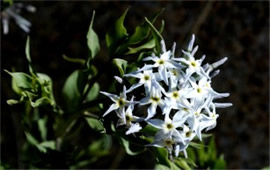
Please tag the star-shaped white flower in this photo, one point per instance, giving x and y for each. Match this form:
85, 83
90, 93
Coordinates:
119, 101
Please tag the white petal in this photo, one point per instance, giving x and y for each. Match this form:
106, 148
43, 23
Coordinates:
190, 45
163, 74
134, 128
134, 86
163, 46
118, 79
151, 110
112, 107
223, 105
113, 97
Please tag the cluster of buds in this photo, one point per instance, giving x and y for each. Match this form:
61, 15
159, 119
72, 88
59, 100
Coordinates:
177, 97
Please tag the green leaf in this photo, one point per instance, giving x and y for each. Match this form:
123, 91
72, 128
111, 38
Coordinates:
162, 157
197, 145
121, 65
43, 128
20, 81
92, 39
74, 60
27, 50
12, 102
28, 56
94, 124
30, 138
185, 163
74, 88
101, 147
42, 101
149, 130
48, 144
149, 45
182, 163
191, 154
116, 35
142, 31
220, 163
125, 143
212, 154
162, 26
157, 36
93, 93
202, 156
119, 26
161, 167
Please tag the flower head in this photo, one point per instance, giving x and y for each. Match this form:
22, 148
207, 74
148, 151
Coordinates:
177, 96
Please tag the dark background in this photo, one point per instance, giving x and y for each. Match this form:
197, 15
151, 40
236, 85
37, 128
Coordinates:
238, 30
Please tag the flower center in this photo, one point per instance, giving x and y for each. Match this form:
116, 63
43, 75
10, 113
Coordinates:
128, 118
161, 62
121, 102
169, 126
193, 63
168, 142
146, 77
155, 99
185, 109
188, 134
199, 90
175, 94
174, 72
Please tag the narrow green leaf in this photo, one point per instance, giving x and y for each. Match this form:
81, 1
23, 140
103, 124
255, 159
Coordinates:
162, 158
154, 29
121, 65
28, 56
43, 128
42, 101
48, 144
12, 102
125, 143
197, 145
212, 149
157, 36
149, 45
142, 31
182, 164
92, 39
162, 26
116, 37
119, 26
27, 50
161, 167
30, 138
220, 163
74, 60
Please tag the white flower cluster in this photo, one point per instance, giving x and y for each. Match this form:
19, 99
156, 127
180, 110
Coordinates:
178, 96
